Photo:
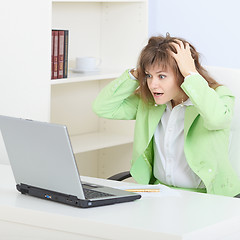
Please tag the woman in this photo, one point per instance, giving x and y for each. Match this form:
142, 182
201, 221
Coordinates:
183, 118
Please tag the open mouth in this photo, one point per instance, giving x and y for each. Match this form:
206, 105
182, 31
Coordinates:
156, 94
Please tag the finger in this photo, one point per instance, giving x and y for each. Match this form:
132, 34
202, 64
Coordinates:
187, 46
188, 49
172, 53
180, 43
174, 47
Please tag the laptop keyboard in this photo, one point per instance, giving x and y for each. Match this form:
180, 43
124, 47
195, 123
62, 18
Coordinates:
89, 194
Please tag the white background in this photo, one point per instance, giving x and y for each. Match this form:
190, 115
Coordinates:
212, 26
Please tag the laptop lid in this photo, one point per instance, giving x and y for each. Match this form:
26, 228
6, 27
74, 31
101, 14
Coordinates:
40, 155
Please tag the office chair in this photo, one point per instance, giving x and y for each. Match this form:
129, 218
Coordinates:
231, 79
120, 176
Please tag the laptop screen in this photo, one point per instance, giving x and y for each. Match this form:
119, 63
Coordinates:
41, 155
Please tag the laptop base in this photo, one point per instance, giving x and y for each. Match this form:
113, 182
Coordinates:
69, 199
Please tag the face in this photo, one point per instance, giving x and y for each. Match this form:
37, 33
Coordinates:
163, 85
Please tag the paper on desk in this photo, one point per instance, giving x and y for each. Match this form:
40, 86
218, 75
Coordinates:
163, 190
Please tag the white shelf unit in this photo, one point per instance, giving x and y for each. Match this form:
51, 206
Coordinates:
115, 32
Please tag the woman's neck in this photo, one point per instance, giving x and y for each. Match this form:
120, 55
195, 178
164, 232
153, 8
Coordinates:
182, 99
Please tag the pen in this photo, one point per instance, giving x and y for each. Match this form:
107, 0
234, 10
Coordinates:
142, 190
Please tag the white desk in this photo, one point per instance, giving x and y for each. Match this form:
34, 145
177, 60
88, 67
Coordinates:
184, 216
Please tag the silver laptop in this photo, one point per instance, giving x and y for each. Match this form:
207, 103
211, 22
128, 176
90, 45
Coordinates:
44, 166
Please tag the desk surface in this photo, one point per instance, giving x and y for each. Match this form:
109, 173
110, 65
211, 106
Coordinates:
185, 215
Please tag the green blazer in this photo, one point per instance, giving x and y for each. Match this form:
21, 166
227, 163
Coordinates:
206, 130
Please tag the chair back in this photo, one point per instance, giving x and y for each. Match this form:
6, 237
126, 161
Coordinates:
231, 79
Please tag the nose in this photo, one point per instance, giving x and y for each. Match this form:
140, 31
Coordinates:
153, 83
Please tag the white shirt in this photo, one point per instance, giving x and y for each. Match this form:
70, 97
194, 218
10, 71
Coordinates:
170, 164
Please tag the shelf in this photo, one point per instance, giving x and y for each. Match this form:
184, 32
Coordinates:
84, 77
96, 141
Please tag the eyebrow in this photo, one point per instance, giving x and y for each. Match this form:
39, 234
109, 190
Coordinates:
156, 72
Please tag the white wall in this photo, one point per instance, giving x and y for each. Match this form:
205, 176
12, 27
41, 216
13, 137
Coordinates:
25, 61
212, 26
25, 58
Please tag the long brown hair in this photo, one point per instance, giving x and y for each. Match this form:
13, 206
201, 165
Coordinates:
157, 52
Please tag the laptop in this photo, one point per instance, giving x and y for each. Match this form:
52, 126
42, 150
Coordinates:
44, 166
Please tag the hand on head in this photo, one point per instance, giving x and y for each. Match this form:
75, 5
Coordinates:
183, 57
134, 72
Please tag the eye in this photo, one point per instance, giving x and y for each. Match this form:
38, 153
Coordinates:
148, 75
162, 76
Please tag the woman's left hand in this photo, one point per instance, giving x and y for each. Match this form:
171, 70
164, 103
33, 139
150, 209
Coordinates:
183, 58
